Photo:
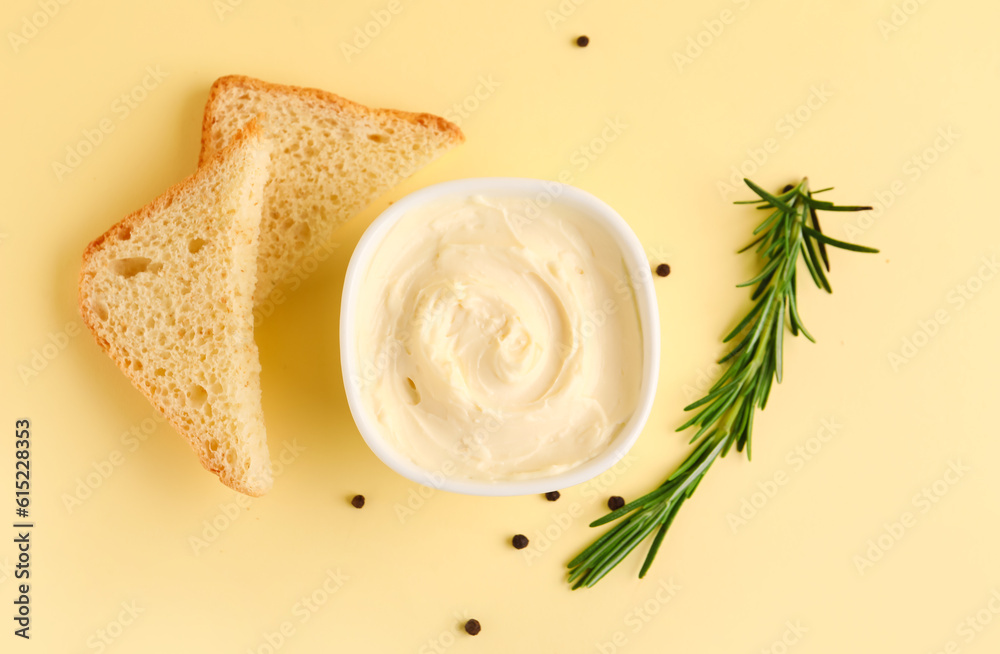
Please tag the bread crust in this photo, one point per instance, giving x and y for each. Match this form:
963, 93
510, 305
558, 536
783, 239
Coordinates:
327, 99
251, 131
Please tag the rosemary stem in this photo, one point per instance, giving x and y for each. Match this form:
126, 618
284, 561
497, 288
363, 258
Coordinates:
725, 415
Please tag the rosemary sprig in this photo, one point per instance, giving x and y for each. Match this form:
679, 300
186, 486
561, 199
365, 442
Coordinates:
725, 414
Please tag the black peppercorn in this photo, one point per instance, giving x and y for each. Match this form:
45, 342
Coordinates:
472, 627
663, 269
583, 41
552, 496
519, 541
358, 501
616, 502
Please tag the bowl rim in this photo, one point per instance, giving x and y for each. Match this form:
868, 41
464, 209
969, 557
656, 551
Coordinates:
639, 273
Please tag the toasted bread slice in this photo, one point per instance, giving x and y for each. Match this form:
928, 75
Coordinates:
332, 158
168, 293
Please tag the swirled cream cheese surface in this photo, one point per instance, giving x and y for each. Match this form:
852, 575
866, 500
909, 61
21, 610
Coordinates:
498, 340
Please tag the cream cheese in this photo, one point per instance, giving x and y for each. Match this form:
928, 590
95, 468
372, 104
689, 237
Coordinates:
497, 339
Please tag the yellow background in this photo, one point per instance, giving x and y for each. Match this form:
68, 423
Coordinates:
881, 94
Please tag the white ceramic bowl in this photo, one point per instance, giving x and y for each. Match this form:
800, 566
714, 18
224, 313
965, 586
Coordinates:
542, 191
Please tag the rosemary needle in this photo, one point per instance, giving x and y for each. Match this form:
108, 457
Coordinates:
723, 418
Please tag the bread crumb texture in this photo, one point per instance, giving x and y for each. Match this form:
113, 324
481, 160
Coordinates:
168, 293
332, 157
